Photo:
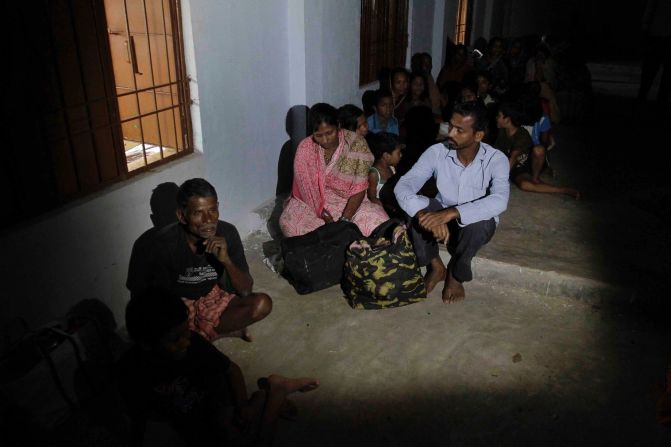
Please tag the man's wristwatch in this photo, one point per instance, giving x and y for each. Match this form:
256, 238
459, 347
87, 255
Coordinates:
344, 219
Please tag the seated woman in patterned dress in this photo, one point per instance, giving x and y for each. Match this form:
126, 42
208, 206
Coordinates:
330, 179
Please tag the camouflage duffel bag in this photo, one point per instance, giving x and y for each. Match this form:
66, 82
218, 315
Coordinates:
381, 271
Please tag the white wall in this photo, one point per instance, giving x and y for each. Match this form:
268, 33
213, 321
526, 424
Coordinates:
250, 62
82, 250
241, 54
426, 29
421, 29
332, 34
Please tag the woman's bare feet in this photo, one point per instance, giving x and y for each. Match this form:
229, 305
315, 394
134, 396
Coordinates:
435, 273
453, 291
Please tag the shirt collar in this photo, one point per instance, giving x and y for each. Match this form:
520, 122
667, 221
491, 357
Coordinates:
479, 156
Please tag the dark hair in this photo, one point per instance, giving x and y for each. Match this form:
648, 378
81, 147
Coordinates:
348, 116
382, 93
195, 187
152, 314
531, 102
495, 39
514, 111
476, 110
483, 74
417, 60
382, 143
394, 72
472, 86
322, 113
425, 93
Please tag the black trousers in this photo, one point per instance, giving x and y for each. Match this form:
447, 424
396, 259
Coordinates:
463, 244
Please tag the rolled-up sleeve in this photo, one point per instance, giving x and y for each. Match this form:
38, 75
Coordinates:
496, 201
407, 187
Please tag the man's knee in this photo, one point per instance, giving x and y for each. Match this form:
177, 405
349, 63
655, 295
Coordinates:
538, 151
479, 233
260, 306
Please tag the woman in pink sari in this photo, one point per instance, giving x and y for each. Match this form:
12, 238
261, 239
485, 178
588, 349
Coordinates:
330, 179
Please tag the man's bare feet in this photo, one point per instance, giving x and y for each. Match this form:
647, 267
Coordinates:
288, 385
243, 334
435, 273
453, 291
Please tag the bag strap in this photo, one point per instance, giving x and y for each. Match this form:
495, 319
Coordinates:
385, 228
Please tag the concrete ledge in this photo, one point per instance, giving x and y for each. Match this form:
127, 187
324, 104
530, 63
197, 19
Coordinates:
548, 283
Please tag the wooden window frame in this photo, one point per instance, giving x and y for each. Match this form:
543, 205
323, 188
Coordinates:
71, 144
384, 37
463, 25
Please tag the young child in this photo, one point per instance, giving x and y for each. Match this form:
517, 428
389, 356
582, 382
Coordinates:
174, 375
515, 141
419, 91
383, 119
351, 117
386, 148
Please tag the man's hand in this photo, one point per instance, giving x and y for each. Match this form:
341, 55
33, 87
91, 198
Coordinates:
217, 246
441, 233
430, 219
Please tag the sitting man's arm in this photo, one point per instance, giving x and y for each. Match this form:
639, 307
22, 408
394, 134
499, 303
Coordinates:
230, 253
436, 222
496, 200
407, 187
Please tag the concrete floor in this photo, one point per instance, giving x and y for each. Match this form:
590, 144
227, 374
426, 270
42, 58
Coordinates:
506, 367
559, 341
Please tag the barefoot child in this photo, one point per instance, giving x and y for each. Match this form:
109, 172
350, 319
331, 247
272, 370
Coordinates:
176, 376
386, 148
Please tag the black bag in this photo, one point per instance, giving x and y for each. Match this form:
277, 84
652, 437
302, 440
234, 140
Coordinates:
315, 260
381, 271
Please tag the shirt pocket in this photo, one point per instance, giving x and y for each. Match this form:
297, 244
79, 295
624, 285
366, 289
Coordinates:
474, 187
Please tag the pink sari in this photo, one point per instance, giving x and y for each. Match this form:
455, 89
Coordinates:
318, 186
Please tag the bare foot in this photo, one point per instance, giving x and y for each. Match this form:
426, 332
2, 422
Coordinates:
288, 385
435, 273
243, 334
453, 291
536, 181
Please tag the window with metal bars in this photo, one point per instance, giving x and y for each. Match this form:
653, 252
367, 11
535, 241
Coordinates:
384, 37
99, 92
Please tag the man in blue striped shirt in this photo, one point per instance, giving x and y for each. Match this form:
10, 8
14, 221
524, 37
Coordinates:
473, 189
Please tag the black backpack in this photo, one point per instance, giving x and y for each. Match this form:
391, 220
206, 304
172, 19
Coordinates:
314, 261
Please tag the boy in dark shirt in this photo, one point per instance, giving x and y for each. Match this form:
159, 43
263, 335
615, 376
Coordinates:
176, 376
201, 259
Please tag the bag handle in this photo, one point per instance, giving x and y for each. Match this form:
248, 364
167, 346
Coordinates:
385, 228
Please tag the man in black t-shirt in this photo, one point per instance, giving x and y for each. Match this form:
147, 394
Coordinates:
202, 260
